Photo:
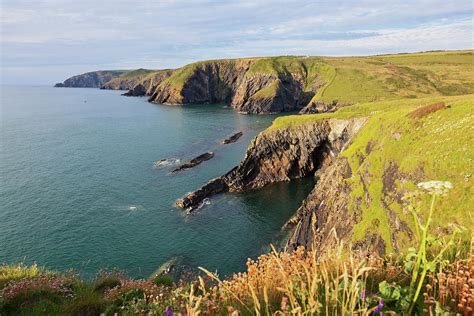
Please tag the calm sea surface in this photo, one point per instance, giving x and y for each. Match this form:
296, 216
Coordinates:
78, 186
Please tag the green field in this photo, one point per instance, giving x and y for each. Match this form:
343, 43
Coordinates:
359, 79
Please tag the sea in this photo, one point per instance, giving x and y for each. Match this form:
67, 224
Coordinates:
86, 184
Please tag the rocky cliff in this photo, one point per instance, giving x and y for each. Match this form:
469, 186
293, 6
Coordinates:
294, 152
94, 79
292, 83
145, 86
250, 85
281, 155
362, 181
138, 82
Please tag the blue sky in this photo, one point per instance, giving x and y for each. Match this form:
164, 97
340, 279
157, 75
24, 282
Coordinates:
45, 41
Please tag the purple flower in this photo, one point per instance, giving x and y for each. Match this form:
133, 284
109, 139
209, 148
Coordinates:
169, 311
362, 295
380, 306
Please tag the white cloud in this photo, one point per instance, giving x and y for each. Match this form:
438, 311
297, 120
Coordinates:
92, 34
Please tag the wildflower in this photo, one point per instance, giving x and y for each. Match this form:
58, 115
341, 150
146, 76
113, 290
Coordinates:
380, 306
169, 311
362, 295
435, 187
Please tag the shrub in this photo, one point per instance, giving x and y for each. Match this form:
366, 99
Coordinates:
106, 282
31, 291
164, 279
428, 109
16, 272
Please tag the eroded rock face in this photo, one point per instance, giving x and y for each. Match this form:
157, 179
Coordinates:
248, 85
316, 107
231, 82
145, 86
325, 211
119, 84
94, 79
281, 155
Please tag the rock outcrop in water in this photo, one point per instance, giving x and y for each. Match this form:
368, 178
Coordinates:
281, 155
194, 162
233, 138
94, 79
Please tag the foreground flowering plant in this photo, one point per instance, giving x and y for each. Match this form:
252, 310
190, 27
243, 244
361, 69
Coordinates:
44, 283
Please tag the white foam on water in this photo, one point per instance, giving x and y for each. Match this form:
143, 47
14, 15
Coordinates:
166, 162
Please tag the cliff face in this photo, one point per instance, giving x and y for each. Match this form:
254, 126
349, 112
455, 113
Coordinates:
241, 83
148, 84
326, 211
94, 79
290, 83
138, 82
282, 155
206, 82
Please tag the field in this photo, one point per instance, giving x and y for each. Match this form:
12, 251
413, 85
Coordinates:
360, 79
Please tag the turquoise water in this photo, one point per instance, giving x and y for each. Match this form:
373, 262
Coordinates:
78, 187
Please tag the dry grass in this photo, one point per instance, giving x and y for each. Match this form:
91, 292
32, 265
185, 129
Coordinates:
453, 286
428, 109
301, 283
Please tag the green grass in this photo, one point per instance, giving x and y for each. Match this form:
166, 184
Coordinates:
268, 92
357, 79
10, 273
434, 147
136, 73
40, 299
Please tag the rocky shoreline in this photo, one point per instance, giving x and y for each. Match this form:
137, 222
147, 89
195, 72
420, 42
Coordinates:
239, 83
290, 153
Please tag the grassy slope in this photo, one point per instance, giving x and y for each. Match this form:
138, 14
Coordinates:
362, 79
438, 143
389, 77
135, 75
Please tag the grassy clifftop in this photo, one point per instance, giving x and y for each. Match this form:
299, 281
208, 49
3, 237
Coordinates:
388, 77
289, 83
398, 148
369, 78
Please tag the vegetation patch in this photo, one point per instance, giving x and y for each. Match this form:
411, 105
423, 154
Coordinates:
425, 110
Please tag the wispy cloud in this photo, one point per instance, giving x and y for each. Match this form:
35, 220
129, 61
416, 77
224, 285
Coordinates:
61, 37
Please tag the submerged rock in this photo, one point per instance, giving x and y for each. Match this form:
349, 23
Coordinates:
194, 162
233, 138
177, 269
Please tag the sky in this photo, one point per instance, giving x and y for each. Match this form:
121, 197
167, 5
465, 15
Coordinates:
46, 41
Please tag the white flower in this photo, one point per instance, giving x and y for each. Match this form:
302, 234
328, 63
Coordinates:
435, 187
